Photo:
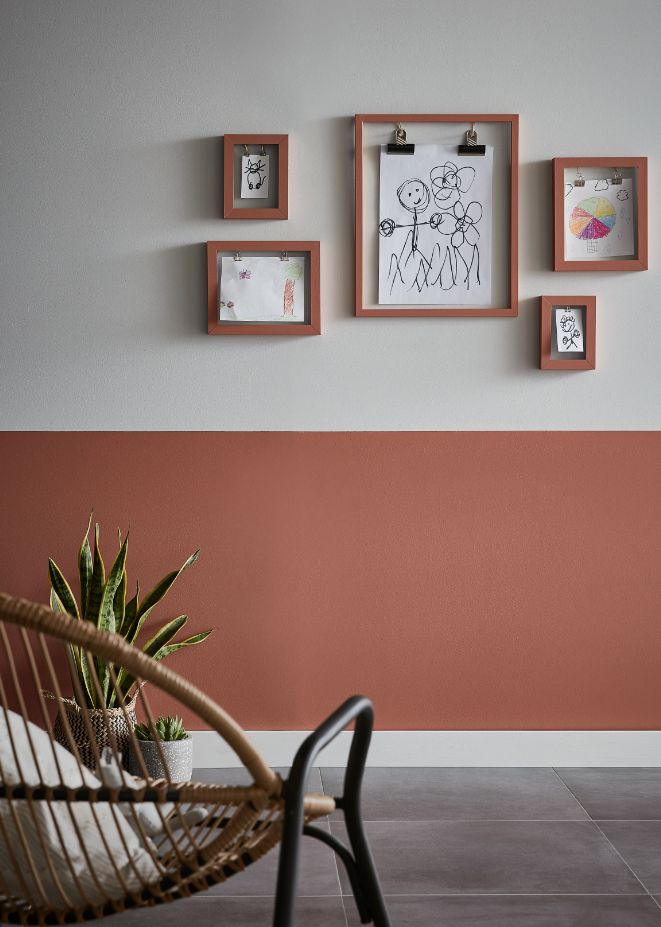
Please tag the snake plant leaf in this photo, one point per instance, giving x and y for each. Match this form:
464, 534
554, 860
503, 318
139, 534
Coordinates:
188, 642
119, 604
164, 635
79, 658
127, 681
56, 604
84, 676
85, 569
130, 612
154, 596
106, 618
98, 582
62, 589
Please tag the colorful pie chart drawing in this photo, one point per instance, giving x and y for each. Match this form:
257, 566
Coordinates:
593, 218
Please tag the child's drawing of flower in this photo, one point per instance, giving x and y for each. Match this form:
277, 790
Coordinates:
460, 224
448, 182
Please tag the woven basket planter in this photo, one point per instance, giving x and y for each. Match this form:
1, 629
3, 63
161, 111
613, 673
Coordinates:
105, 725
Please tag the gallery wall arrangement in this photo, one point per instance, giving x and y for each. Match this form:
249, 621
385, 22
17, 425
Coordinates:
436, 231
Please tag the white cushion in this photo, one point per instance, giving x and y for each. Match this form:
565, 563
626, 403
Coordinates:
146, 811
47, 827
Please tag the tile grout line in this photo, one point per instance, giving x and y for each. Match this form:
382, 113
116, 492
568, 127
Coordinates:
335, 863
624, 861
610, 844
334, 820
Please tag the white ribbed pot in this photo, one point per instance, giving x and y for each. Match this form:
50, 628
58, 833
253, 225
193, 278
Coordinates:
178, 756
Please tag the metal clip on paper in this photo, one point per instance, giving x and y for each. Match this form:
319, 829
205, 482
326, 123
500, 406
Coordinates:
237, 256
617, 177
470, 147
284, 256
579, 180
400, 145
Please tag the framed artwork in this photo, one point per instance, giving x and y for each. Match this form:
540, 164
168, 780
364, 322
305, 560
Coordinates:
600, 213
436, 217
263, 288
255, 172
567, 332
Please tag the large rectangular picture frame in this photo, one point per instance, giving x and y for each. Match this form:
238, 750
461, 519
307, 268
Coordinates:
380, 311
312, 325
561, 263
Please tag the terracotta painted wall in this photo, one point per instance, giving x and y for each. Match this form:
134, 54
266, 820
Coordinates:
463, 580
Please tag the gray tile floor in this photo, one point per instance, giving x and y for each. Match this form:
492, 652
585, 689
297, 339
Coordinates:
470, 848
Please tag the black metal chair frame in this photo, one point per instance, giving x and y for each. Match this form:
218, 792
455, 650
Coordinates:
357, 857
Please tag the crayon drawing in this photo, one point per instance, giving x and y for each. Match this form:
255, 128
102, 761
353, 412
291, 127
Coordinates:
599, 221
261, 289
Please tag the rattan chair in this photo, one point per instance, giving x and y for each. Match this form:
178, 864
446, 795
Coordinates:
235, 825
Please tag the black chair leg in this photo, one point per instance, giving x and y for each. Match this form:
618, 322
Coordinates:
287, 882
367, 874
351, 806
369, 898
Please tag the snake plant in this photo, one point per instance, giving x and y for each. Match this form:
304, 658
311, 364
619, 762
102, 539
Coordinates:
103, 602
169, 728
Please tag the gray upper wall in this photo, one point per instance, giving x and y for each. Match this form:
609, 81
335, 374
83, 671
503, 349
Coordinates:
111, 116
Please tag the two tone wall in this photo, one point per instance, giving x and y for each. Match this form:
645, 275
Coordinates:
404, 507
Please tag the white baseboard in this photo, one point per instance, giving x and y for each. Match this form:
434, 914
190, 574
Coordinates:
452, 748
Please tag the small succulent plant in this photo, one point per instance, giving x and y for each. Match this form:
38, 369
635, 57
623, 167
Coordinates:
170, 728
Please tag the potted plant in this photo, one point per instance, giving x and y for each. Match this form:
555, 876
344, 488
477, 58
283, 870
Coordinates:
166, 749
103, 602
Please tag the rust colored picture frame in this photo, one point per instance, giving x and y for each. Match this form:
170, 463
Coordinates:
546, 329
230, 209
312, 324
639, 167
464, 120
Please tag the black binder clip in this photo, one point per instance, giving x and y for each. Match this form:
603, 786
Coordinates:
617, 177
471, 147
400, 145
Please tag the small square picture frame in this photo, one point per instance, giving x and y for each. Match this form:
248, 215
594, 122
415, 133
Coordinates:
606, 184
276, 205
549, 356
308, 250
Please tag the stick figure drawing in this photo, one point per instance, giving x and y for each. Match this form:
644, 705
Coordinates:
432, 236
568, 325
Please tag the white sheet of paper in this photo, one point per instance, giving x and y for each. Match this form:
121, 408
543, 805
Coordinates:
254, 177
569, 329
599, 220
262, 289
435, 227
